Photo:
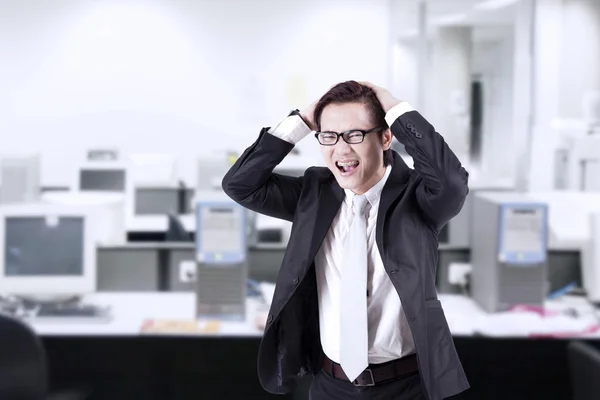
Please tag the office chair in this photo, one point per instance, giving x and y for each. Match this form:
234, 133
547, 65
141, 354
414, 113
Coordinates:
22, 361
584, 368
23, 373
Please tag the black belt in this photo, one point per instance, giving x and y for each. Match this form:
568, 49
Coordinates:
376, 373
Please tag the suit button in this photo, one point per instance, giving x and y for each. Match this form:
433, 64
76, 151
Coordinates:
418, 135
270, 318
412, 318
295, 281
409, 125
393, 271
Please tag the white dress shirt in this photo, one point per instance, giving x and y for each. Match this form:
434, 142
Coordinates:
389, 333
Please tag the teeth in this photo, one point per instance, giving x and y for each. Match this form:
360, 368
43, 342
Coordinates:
347, 164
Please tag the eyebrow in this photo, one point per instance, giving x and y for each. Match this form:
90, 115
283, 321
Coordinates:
348, 130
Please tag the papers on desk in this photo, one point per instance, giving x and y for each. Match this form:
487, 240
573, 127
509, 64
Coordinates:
167, 326
556, 319
568, 316
535, 325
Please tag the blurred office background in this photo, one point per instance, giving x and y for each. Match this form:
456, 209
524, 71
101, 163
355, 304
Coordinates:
126, 273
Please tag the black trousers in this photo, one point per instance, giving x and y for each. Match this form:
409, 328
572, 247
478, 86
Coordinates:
326, 387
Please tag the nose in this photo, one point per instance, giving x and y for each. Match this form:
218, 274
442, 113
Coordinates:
342, 148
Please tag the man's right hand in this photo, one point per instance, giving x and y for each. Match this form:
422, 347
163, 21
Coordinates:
308, 115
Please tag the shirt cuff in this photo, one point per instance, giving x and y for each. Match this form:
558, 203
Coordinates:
397, 111
292, 129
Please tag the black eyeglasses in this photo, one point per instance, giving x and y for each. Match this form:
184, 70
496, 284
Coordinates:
353, 136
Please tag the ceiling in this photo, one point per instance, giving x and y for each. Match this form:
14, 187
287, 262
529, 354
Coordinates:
488, 24
464, 12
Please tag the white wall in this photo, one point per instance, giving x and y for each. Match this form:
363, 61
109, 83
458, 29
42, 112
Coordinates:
522, 105
448, 86
493, 61
186, 77
406, 72
580, 56
566, 61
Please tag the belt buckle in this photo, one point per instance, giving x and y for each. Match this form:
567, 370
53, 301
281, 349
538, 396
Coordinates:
372, 383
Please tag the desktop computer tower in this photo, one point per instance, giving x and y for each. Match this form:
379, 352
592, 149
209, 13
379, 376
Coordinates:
221, 291
509, 250
221, 256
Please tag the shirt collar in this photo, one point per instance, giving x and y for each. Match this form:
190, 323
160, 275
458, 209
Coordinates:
374, 194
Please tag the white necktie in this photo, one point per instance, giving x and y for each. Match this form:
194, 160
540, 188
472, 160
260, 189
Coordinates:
354, 351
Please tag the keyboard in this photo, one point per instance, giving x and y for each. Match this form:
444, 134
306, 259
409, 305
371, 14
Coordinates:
70, 311
53, 310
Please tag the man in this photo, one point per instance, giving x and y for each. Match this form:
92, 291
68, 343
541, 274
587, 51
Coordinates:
355, 302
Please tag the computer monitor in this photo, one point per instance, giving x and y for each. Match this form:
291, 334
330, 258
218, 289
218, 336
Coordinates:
47, 250
569, 214
270, 232
20, 180
154, 200
103, 177
106, 177
211, 170
103, 154
111, 228
153, 169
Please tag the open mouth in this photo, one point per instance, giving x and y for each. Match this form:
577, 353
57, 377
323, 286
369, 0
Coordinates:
347, 167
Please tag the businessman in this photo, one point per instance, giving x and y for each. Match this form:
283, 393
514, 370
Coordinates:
355, 303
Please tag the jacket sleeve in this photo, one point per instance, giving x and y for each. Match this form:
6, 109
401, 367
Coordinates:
252, 183
444, 185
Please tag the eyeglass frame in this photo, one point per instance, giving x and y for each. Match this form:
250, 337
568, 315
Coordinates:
337, 139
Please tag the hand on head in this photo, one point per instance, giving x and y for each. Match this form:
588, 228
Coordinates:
387, 100
308, 114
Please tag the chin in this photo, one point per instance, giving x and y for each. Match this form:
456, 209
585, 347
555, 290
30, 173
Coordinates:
349, 183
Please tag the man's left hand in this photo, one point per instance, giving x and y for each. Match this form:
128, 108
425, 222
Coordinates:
387, 100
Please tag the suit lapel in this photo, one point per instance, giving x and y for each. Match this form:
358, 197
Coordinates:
330, 200
393, 188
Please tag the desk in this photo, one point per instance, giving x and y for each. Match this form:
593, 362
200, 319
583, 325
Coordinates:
121, 363
464, 316
130, 310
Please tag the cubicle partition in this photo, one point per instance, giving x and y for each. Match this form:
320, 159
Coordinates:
168, 267
564, 268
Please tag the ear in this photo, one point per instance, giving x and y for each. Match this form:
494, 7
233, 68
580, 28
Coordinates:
386, 139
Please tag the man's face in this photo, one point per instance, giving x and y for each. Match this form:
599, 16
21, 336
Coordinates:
355, 166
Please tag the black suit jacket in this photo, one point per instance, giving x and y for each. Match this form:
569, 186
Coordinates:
414, 206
